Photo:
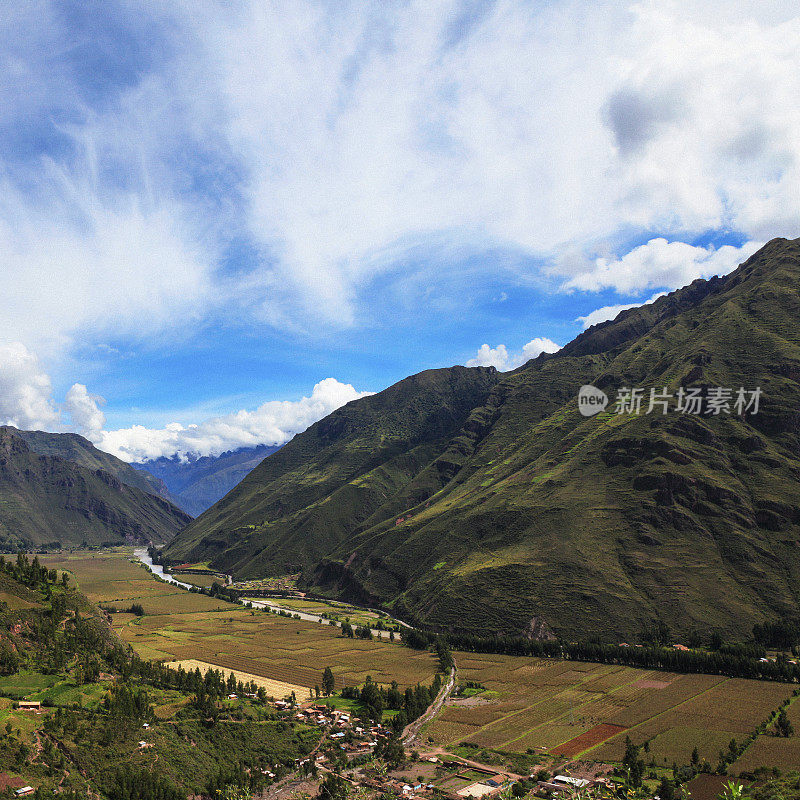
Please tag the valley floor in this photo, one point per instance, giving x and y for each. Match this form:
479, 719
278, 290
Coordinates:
567, 711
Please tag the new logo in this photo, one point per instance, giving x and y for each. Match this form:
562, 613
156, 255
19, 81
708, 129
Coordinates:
591, 400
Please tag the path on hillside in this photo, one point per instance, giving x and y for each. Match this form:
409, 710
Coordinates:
412, 729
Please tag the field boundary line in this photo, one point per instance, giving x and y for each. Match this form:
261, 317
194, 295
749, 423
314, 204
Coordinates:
556, 719
725, 679
772, 717
545, 700
414, 728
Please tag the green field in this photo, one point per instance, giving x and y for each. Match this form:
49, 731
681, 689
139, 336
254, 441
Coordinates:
529, 704
542, 704
180, 625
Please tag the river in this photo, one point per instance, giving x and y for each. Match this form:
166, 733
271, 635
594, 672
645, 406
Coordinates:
143, 556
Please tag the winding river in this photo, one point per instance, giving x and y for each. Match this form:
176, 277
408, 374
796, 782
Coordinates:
143, 556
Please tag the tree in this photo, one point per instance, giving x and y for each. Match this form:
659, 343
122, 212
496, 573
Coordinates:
393, 752
695, 758
333, 787
328, 682
666, 789
633, 764
9, 663
372, 700
785, 727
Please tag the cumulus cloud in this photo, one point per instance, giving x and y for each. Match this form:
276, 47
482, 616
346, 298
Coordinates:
661, 263
26, 402
84, 411
25, 390
499, 357
610, 312
274, 422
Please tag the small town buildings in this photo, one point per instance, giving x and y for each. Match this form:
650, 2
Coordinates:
30, 705
24, 791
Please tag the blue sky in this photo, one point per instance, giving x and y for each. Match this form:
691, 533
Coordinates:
238, 215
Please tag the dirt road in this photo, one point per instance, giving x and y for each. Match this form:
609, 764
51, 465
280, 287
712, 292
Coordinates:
412, 730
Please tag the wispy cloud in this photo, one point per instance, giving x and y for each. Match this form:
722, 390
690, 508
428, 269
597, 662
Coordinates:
165, 166
331, 137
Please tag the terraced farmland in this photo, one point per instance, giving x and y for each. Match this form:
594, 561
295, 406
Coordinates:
572, 708
588, 709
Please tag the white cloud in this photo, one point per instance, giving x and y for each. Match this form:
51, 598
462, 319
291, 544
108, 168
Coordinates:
84, 411
610, 312
25, 390
274, 422
672, 117
26, 402
499, 357
486, 356
339, 140
661, 263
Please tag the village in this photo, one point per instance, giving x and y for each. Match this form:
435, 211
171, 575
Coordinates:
352, 748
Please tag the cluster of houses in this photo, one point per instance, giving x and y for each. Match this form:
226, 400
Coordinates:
353, 735
491, 783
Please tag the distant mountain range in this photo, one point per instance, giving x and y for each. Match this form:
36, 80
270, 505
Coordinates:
72, 447
196, 483
58, 490
487, 503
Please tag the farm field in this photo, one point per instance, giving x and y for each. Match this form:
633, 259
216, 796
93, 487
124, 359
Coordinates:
570, 708
583, 709
201, 579
116, 578
275, 689
179, 626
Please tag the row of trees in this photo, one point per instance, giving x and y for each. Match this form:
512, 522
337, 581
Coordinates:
734, 662
30, 572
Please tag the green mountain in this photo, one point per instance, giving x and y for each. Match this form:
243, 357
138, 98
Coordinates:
47, 500
485, 503
196, 483
72, 447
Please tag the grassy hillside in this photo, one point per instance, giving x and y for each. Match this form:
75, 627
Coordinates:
525, 516
304, 500
45, 500
72, 447
112, 725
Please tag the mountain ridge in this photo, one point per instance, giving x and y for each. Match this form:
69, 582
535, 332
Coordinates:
530, 518
79, 450
196, 483
49, 500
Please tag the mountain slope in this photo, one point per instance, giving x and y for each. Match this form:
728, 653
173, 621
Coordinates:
48, 500
197, 483
306, 497
531, 517
72, 447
